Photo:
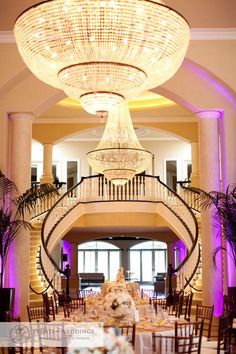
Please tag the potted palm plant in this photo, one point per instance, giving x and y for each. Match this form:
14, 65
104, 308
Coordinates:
13, 208
224, 209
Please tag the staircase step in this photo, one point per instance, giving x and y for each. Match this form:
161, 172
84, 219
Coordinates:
34, 297
34, 276
35, 283
38, 302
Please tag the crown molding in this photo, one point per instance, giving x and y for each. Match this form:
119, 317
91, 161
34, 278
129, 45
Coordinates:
197, 34
213, 34
7, 37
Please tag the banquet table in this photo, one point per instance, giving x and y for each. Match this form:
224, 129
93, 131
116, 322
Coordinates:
147, 322
144, 330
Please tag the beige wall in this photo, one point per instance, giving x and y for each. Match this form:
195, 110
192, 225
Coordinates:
73, 150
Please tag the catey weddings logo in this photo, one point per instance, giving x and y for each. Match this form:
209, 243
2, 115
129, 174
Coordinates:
19, 334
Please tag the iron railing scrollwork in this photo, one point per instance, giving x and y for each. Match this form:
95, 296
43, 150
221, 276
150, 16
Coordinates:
140, 189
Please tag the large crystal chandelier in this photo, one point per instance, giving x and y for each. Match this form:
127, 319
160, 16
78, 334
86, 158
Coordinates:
119, 155
102, 51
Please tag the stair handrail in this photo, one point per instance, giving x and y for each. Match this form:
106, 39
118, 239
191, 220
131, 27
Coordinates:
44, 253
189, 194
77, 194
194, 251
43, 206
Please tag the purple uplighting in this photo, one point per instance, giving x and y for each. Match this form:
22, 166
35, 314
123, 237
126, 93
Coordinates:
68, 250
12, 279
180, 252
207, 76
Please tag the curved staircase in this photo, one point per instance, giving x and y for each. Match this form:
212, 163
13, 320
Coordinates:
96, 189
35, 279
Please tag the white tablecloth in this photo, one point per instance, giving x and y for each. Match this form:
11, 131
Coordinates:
143, 341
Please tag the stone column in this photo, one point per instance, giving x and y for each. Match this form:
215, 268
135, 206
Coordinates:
228, 149
195, 178
20, 173
210, 226
47, 176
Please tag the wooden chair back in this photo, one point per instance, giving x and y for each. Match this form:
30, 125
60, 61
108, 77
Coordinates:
74, 304
36, 313
195, 329
171, 344
48, 303
205, 313
159, 303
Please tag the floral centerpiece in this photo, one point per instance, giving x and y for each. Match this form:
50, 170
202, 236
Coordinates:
120, 285
117, 302
119, 305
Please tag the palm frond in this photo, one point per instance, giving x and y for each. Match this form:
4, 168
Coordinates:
12, 212
223, 205
7, 188
27, 201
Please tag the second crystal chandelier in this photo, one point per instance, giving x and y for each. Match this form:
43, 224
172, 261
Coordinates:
119, 155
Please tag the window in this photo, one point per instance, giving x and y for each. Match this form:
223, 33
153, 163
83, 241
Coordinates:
147, 259
99, 256
33, 174
189, 171
72, 173
171, 173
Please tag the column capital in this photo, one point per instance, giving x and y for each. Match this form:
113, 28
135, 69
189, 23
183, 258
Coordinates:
21, 115
209, 113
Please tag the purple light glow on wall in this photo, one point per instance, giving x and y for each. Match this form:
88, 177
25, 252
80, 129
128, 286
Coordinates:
68, 249
217, 268
216, 84
12, 279
180, 252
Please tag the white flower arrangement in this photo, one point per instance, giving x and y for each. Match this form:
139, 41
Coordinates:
119, 305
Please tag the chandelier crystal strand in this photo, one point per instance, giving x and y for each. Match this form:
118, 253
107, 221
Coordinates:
119, 155
123, 47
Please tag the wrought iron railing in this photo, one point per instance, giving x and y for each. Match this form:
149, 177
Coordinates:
42, 206
140, 189
189, 195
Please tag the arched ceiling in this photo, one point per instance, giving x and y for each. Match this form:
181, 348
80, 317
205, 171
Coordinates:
207, 78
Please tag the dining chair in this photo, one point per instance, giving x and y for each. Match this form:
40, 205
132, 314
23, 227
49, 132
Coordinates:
171, 344
159, 303
50, 337
230, 304
129, 331
84, 293
205, 313
189, 307
224, 342
36, 313
49, 308
58, 300
152, 295
173, 309
183, 307
74, 304
191, 328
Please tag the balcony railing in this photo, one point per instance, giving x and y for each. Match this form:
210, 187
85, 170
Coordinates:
140, 189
